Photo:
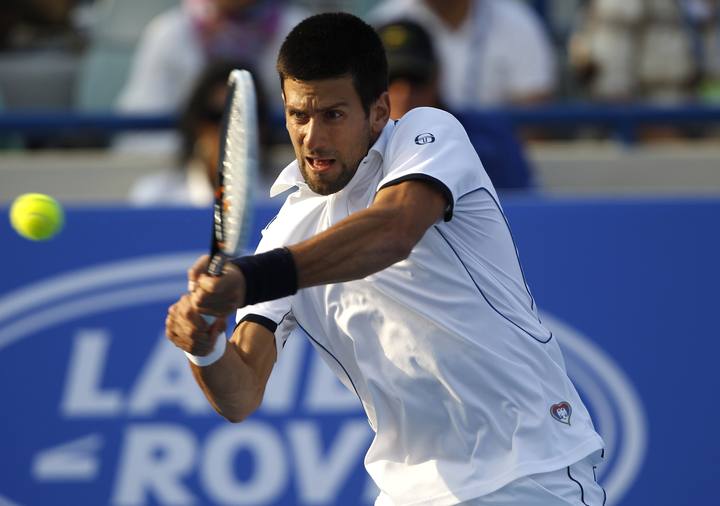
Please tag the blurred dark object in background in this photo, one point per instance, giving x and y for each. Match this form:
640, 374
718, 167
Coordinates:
39, 24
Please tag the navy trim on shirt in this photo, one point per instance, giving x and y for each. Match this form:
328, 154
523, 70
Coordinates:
260, 320
434, 182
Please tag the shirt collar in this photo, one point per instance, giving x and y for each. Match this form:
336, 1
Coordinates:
291, 175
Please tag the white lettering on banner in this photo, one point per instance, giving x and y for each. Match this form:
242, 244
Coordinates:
76, 460
320, 477
83, 395
270, 473
166, 379
155, 459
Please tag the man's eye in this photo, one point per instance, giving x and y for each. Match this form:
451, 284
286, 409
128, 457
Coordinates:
298, 115
333, 114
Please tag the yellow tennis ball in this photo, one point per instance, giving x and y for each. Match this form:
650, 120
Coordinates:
36, 216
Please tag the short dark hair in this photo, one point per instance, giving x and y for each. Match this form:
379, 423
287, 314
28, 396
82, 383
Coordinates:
335, 44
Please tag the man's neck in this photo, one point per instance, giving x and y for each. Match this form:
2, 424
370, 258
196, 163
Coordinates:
453, 13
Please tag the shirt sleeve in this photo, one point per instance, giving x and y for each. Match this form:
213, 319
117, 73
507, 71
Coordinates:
431, 145
275, 315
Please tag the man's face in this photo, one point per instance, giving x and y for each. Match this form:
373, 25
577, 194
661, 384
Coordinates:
329, 129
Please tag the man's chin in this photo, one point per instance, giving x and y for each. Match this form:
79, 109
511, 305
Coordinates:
324, 187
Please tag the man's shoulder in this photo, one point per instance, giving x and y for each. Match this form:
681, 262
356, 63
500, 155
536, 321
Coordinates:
425, 115
421, 122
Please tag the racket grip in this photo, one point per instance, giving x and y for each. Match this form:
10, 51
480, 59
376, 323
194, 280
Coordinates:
215, 268
217, 264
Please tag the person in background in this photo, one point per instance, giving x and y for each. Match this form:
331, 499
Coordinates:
192, 182
493, 52
414, 73
703, 17
179, 43
628, 50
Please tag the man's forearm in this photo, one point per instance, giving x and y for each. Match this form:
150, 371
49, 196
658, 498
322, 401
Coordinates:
369, 240
354, 248
234, 385
229, 385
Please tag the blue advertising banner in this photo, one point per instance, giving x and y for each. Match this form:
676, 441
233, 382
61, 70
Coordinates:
99, 408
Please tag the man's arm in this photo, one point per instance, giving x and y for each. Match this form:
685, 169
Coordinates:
372, 239
235, 384
361, 244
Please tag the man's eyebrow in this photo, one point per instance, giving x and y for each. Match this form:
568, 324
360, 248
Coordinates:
335, 105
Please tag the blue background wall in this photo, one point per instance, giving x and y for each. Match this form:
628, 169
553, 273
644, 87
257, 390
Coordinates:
97, 407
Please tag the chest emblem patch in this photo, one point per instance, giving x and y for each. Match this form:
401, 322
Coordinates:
561, 412
425, 138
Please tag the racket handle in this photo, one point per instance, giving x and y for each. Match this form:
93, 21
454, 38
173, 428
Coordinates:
217, 264
215, 268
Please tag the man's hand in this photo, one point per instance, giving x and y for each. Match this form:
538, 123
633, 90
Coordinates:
209, 295
187, 329
216, 295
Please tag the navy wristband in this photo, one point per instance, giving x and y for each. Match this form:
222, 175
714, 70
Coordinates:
268, 276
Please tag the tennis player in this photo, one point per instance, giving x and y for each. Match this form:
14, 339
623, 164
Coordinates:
393, 254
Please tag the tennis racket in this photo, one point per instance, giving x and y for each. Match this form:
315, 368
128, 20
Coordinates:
237, 170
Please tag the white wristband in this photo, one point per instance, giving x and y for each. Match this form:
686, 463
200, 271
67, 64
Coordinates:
217, 352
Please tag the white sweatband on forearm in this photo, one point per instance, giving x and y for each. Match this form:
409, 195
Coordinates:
217, 352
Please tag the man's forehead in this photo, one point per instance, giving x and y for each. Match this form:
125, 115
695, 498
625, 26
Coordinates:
320, 93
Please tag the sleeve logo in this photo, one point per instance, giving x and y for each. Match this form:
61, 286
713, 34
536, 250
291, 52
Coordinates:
425, 138
561, 412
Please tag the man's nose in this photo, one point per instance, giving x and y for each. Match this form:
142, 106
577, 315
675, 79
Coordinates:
315, 136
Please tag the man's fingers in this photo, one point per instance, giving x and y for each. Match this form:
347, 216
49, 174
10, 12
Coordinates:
209, 303
187, 329
198, 268
217, 295
223, 293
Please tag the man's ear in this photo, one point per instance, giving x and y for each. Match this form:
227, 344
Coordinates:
380, 113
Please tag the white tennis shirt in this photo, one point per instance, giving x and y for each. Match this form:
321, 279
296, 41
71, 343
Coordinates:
463, 386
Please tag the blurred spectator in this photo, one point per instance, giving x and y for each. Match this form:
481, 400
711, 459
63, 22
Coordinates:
177, 44
493, 52
413, 69
191, 183
41, 44
39, 24
413, 82
626, 50
703, 17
